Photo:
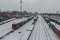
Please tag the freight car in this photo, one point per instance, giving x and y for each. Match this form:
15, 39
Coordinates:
35, 20
54, 29
18, 25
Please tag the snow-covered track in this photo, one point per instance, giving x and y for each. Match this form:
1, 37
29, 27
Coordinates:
24, 22
22, 33
35, 20
54, 30
6, 34
6, 21
5, 28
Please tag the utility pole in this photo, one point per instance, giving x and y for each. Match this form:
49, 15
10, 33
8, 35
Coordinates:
21, 6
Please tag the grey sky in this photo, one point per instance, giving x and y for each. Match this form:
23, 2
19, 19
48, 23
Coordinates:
31, 5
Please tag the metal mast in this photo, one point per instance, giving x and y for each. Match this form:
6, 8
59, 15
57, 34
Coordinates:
20, 5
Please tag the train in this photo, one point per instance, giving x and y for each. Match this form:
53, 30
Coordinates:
57, 32
54, 29
35, 20
18, 25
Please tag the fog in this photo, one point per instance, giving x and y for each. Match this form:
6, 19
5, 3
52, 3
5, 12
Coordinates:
31, 5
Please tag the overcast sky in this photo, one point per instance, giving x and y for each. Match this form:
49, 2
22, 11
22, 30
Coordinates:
31, 5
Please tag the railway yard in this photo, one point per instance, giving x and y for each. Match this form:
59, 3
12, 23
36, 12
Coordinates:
32, 28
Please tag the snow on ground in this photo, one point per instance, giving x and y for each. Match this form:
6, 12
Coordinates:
5, 28
7, 20
56, 25
43, 32
50, 33
24, 33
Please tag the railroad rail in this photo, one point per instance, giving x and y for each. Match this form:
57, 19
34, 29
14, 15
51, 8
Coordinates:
16, 27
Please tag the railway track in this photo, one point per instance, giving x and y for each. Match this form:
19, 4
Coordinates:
46, 32
12, 31
6, 22
6, 34
53, 30
35, 20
